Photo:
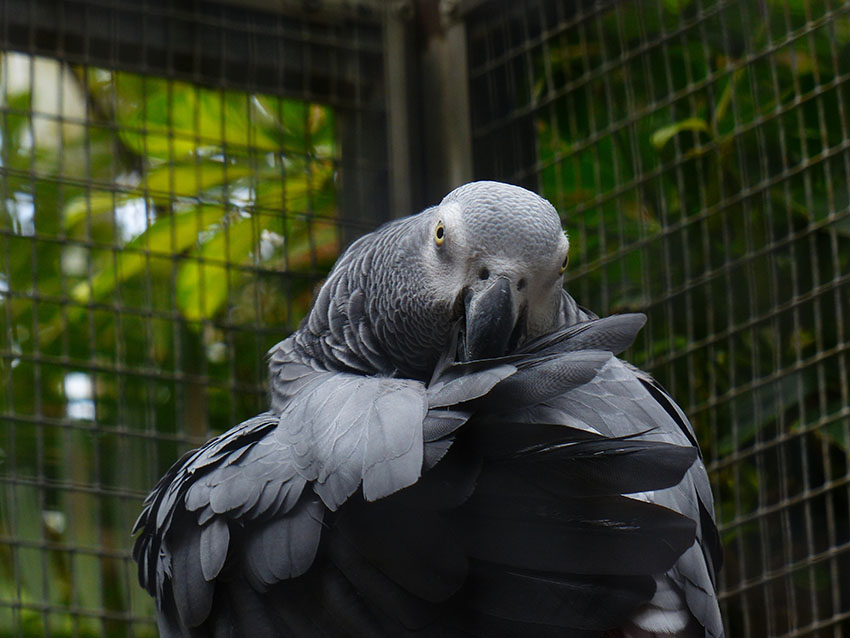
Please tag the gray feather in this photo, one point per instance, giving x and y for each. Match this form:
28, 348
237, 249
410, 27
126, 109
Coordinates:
440, 423
230, 494
459, 389
347, 429
546, 377
394, 448
613, 334
284, 547
215, 537
192, 592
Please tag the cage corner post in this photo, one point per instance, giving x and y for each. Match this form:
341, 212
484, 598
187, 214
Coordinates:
445, 104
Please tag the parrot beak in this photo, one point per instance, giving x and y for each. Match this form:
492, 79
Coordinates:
491, 322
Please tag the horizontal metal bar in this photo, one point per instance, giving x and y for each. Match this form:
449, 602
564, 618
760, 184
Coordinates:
14, 542
739, 457
742, 195
153, 374
808, 630
785, 570
715, 338
763, 511
74, 610
692, 88
100, 428
234, 49
82, 488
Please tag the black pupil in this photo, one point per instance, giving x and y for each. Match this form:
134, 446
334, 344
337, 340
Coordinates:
439, 232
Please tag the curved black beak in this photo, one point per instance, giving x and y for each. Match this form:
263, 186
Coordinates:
491, 319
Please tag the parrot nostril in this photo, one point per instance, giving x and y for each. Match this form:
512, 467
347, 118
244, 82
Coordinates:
483, 274
520, 284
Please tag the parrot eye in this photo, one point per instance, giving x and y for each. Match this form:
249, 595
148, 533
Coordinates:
439, 234
565, 262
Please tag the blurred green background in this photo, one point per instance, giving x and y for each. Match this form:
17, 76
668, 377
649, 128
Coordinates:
158, 236
143, 215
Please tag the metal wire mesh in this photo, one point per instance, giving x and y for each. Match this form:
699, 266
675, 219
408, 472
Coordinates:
699, 153
171, 184
177, 177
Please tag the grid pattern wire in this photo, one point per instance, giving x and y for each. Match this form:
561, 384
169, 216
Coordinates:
168, 205
166, 210
699, 154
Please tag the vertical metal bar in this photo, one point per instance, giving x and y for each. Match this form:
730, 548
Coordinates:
838, 300
151, 445
804, 454
594, 131
572, 157
397, 76
38, 398
834, 598
10, 339
773, 286
444, 85
362, 135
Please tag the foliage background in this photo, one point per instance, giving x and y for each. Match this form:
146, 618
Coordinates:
157, 237
698, 152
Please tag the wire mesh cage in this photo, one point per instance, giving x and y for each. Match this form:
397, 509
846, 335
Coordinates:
177, 177
167, 210
699, 154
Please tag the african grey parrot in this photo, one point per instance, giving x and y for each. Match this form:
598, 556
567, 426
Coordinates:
452, 449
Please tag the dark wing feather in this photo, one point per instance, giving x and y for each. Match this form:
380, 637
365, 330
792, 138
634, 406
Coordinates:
521, 524
591, 535
283, 547
601, 466
214, 540
419, 552
186, 522
612, 334
559, 600
192, 592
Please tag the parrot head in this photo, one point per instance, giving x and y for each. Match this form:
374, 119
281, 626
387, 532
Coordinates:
497, 254
483, 269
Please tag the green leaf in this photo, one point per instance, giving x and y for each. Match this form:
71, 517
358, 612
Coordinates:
171, 120
300, 192
95, 203
190, 179
169, 235
726, 96
663, 135
299, 128
676, 6
202, 286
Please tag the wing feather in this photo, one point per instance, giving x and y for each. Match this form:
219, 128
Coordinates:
561, 493
214, 541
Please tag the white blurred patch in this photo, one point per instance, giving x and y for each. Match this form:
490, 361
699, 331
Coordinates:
23, 214
55, 521
78, 396
74, 261
270, 242
132, 218
242, 196
216, 352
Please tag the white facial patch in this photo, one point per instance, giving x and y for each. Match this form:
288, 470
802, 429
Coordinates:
451, 215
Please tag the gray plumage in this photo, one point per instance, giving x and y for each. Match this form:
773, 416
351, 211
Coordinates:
452, 449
